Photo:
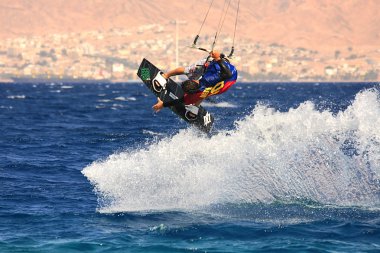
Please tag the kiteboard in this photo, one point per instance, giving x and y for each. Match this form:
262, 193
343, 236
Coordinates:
168, 90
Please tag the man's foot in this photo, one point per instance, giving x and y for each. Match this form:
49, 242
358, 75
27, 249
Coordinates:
159, 82
191, 112
190, 116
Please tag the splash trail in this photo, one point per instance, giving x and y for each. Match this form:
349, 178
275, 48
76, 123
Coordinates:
303, 154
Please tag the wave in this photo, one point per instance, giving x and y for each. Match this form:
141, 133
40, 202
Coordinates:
220, 104
104, 100
152, 133
16, 97
121, 98
324, 157
67, 86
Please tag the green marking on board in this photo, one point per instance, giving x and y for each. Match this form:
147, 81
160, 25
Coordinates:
145, 73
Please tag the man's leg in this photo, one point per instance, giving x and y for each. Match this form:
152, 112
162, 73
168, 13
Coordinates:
193, 99
192, 102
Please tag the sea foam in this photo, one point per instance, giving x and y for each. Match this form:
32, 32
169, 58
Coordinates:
301, 154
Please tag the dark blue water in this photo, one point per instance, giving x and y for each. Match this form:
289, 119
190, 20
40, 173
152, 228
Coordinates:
290, 167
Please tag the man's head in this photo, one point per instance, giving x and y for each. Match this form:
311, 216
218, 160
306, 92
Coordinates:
190, 86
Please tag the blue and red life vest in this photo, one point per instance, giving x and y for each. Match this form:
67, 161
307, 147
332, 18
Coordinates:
212, 76
212, 83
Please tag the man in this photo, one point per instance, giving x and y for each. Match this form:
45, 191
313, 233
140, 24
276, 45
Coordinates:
206, 79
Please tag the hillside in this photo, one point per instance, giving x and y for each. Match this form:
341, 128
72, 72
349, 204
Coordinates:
322, 25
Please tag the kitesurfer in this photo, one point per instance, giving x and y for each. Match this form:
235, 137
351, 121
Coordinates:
206, 78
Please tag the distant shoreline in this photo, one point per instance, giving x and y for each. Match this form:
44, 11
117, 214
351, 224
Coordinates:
88, 81
53, 80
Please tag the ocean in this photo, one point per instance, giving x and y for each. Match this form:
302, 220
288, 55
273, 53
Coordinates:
289, 167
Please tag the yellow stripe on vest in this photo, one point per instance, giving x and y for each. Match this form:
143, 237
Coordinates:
212, 90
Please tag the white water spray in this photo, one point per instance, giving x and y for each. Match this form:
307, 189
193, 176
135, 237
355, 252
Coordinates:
302, 154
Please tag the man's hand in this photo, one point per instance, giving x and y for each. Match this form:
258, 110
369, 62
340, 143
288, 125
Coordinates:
158, 106
215, 54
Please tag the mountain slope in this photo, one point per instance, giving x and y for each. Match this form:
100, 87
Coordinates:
319, 24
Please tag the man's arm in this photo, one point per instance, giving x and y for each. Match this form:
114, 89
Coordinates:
225, 71
159, 105
174, 72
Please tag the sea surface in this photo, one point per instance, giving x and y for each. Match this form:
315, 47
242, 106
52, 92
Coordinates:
289, 167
